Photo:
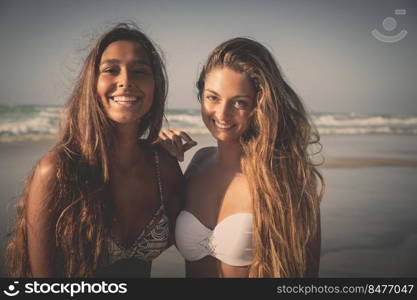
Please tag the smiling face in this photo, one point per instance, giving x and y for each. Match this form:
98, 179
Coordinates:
227, 101
125, 83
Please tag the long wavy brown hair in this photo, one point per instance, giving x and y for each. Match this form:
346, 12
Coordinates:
277, 161
80, 207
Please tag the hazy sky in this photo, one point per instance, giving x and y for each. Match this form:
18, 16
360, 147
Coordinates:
324, 47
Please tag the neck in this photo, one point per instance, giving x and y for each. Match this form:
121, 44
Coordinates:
228, 155
126, 146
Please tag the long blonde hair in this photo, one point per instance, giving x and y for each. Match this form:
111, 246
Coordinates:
283, 180
79, 203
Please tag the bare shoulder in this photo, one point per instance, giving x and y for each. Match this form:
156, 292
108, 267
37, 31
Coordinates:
198, 159
203, 152
40, 187
46, 167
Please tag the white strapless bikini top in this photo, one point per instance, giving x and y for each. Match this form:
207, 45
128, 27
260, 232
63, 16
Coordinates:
229, 242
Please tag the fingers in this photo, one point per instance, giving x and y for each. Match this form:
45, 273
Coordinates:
166, 142
174, 144
189, 142
189, 145
184, 136
172, 141
178, 145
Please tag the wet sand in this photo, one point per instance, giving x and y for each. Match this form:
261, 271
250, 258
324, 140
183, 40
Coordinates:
368, 212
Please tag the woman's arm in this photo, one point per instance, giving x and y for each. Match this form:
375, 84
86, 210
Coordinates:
40, 228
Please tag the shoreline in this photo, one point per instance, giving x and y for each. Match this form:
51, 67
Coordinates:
362, 162
326, 161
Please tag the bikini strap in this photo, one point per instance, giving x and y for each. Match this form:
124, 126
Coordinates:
158, 177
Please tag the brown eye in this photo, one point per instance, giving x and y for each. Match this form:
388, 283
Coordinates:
211, 98
142, 71
109, 70
241, 104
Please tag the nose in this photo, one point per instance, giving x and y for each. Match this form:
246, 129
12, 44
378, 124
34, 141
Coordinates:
124, 80
224, 111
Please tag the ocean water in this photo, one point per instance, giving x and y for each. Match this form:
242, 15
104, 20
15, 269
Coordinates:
35, 122
28, 122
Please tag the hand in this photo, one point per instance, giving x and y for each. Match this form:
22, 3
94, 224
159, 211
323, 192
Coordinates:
172, 141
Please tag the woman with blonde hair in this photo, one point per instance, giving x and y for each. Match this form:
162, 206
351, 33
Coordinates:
104, 200
252, 205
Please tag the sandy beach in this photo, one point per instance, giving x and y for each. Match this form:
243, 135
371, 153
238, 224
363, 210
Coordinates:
368, 212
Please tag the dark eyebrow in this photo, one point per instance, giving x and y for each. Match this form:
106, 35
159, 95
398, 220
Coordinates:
117, 61
234, 97
211, 91
241, 96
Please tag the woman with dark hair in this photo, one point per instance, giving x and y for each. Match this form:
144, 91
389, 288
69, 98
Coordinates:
104, 200
253, 202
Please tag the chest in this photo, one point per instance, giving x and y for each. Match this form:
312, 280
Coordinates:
212, 196
136, 188
136, 198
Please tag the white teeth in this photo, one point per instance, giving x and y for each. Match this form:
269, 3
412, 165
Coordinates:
125, 99
223, 126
